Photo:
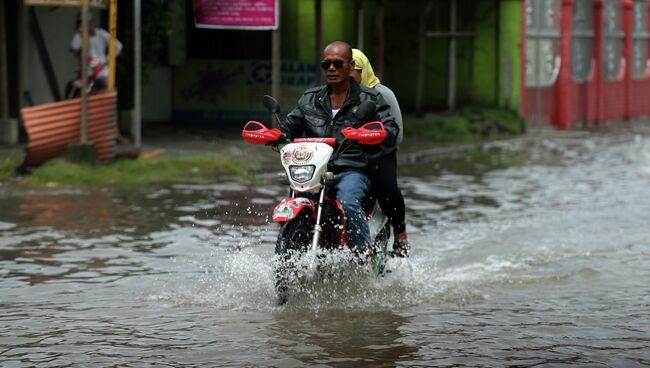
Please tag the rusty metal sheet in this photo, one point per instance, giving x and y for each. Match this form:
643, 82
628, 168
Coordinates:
51, 127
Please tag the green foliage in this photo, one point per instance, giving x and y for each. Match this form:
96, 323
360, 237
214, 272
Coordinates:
465, 125
158, 170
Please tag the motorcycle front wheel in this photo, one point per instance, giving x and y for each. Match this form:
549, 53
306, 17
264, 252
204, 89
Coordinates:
294, 239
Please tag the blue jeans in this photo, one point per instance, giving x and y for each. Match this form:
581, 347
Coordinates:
352, 187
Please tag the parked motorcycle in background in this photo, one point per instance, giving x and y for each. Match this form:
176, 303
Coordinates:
73, 87
311, 218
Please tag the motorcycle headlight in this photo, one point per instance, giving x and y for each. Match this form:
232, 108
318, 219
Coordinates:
301, 174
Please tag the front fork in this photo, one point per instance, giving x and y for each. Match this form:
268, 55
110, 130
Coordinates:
318, 229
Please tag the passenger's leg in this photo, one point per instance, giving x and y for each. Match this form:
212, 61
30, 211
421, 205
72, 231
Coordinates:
390, 198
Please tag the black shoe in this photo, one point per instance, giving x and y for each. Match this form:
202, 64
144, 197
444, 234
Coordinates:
400, 249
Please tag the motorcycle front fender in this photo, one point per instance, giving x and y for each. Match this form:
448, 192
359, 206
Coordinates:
289, 208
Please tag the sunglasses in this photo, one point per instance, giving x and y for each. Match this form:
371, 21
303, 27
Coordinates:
325, 64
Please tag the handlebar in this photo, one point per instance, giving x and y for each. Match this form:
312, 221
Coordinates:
371, 133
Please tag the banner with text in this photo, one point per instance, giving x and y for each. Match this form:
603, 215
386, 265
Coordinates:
230, 91
236, 14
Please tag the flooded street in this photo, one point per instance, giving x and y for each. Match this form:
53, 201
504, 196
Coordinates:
529, 252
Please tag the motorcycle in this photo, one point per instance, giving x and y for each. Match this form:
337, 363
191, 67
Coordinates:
311, 218
73, 87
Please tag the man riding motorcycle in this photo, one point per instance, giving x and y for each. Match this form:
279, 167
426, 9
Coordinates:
328, 111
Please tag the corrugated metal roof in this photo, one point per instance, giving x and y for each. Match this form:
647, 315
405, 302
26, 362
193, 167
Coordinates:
51, 127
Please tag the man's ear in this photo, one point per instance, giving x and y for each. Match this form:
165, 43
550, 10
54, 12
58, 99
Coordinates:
352, 63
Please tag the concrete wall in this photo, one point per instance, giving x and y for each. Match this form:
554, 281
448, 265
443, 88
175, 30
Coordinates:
157, 96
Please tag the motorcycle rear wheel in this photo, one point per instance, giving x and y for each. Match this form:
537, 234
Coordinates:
380, 251
294, 238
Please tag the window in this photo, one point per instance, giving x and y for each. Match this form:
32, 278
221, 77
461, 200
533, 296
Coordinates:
613, 39
640, 37
543, 19
582, 39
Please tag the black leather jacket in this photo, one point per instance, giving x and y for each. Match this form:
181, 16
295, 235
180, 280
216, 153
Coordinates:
313, 118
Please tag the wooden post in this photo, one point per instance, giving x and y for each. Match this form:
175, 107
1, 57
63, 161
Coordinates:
318, 10
136, 124
84, 71
276, 76
112, 28
451, 86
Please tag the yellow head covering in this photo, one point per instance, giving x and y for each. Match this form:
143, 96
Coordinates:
361, 62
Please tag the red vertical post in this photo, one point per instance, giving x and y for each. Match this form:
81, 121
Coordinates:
627, 52
563, 86
598, 59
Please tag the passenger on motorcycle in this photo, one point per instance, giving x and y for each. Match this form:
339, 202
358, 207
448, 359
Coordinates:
325, 111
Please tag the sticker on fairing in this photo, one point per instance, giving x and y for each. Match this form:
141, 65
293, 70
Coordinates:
302, 155
286, 157
289, 208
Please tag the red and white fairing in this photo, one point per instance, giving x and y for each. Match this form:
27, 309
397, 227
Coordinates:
289, 208
315, 154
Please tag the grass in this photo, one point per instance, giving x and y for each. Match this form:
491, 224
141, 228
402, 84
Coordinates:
465, 125
8, 167
157, 170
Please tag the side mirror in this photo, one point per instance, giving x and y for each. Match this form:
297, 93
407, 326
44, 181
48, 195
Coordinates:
271, 104
366, 111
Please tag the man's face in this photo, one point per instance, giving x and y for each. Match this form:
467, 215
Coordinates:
337, 64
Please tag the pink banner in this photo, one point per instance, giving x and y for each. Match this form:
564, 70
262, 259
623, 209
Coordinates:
236, 14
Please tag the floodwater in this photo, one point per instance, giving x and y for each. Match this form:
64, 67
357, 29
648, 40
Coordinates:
532, 252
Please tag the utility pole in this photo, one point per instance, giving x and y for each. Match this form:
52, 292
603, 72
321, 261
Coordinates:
84, 71
112, 28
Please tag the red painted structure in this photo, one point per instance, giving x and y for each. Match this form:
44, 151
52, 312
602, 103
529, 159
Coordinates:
598, 98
